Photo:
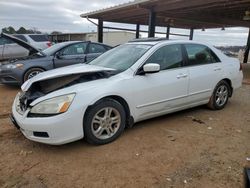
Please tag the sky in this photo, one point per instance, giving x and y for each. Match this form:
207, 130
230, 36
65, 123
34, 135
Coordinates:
64, 16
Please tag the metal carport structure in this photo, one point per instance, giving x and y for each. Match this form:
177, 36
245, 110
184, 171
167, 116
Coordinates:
185, 14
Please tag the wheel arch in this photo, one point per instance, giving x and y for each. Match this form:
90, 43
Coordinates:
229, 82
123, 102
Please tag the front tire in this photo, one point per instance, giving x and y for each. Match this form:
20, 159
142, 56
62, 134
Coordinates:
31, 73
220, 96
104, 122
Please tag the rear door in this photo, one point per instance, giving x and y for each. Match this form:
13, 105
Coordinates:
205, 71
70, 55
94, 50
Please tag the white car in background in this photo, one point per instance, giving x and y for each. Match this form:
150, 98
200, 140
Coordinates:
39, 41
130, 83
11, 50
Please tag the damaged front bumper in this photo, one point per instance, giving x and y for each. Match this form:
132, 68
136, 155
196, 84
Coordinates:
54, 130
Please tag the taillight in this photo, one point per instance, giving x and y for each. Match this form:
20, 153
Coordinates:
240, 66
48, 44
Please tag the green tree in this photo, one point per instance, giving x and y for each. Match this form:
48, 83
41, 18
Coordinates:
21, 30
9, 30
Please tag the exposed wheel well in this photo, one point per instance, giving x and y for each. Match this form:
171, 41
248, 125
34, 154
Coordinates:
230, 84
129, 118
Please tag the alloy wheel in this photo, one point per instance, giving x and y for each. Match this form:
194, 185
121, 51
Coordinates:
32, 74
105, 123
221, 95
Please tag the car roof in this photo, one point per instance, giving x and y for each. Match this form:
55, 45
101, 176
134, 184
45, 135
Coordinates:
155, 41
72, 42
30, 34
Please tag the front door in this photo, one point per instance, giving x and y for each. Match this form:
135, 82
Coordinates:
158, 93
70, 55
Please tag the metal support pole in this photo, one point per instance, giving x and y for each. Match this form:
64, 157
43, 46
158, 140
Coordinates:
168, 31
247, 48
100, 31
191, 34
137, 34
151, 23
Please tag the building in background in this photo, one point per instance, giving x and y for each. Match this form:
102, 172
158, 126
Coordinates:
110, 38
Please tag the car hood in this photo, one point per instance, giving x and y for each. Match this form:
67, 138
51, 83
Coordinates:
32, 50
63, 74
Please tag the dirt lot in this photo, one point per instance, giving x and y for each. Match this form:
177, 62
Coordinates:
192, 148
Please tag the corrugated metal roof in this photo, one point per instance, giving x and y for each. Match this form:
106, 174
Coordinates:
178, 13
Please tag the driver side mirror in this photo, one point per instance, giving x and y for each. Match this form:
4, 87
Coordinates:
151, 68
58, 55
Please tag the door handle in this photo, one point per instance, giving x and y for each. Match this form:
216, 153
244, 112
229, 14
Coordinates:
181, 76
217, 68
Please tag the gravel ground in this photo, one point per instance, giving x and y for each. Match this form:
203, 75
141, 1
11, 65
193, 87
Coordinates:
191, 148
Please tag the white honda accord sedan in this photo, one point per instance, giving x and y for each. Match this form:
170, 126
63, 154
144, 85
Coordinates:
130, 83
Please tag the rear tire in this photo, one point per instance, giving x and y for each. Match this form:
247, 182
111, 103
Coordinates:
220, 96
31, 73
104, 122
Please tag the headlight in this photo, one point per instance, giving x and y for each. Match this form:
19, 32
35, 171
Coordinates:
13, 66
54, 105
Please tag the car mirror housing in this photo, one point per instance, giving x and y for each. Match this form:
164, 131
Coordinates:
58, 55
151, 68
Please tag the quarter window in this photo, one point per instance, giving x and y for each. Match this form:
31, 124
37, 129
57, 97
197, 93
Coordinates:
200, 54
167, 57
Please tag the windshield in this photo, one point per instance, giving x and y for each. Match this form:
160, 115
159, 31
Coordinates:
121, 57
53, 49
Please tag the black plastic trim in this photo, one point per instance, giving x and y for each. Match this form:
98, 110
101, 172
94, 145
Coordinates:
14, 121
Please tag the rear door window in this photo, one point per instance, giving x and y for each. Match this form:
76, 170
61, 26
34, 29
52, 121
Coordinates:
200, 54
96, 48
39, 38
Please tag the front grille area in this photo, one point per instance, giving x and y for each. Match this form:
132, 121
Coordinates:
23, 102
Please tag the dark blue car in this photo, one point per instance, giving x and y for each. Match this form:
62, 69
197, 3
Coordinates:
17, 71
